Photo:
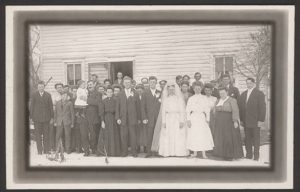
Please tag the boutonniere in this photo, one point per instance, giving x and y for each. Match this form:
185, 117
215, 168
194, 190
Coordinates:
159, 100
131, 94
157, 95
232, 94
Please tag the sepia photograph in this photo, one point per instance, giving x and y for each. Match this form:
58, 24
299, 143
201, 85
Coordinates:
110, 97
136, 95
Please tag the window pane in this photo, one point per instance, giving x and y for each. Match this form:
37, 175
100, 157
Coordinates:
229, 64
70, 74
219, 64
77, 73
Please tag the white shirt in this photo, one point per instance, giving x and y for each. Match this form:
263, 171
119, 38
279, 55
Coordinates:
153, 92
127, 92
41, 94
222, 101
249, 93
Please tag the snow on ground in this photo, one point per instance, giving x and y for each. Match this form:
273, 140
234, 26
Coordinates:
75, 159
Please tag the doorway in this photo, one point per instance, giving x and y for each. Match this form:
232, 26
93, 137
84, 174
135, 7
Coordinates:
126, 67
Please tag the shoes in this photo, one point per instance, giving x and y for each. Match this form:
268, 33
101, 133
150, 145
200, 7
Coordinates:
86, 154
134, 155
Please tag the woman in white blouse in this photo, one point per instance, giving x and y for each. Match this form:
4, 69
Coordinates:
199, 137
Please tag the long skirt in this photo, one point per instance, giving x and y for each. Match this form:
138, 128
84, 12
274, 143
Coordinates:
172, 138
109, 138
199, 137
227, 139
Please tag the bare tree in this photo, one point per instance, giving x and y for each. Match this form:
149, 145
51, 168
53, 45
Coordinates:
35, 57
254, 59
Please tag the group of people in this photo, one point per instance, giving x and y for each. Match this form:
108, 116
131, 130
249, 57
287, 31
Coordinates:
124, 118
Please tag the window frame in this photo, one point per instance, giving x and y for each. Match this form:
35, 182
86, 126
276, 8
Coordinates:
73, 62
223, 56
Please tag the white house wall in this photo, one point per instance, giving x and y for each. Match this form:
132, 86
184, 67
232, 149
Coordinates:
161, 50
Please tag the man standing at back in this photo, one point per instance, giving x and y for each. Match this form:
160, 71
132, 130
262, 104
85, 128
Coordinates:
232, 91
41, 112
150, 110
126, 116
119, 79
252, 108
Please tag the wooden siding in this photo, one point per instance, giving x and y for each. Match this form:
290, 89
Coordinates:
161, 50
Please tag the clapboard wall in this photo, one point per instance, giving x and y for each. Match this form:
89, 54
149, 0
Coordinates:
161, 50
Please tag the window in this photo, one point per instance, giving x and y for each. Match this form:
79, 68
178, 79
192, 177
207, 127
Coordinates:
73, 73
223, 64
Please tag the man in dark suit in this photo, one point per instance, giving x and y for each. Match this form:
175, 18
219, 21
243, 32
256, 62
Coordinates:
41, 112
252, 108
232, 91
119, 80
126, 116
150, 110
90, 133
64, 120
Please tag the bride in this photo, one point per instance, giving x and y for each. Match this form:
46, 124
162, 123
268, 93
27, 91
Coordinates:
172, 140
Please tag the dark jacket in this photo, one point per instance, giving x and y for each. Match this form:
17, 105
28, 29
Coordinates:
150, 106
94, 101
254, 110
126, 109
117, 83
41, 108
64, 113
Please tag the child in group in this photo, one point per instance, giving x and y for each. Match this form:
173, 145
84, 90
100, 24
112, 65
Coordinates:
81, 98
116, 88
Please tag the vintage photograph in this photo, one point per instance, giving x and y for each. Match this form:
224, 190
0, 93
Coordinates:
150, 95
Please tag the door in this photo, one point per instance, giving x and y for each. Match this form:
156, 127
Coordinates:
126, 67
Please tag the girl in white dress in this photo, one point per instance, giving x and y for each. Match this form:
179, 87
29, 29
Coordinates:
199, 137
172, 141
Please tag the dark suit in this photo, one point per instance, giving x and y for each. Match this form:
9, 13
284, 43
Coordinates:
64, 118
90, 133
251, 112
126, 111
150, 110
41, 112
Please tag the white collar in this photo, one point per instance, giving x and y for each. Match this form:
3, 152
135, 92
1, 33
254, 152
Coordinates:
222, 101
250, 90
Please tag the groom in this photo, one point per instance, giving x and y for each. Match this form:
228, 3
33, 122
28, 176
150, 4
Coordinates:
150, 109
126, 116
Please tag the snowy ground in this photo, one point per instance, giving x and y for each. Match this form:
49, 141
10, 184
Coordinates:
74, 159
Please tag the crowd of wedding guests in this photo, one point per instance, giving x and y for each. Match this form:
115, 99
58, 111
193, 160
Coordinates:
157, 118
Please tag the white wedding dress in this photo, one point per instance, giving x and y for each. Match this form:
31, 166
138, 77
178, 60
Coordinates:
172, 141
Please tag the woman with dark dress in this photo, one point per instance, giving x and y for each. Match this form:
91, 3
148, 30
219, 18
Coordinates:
109, 131
227, 137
